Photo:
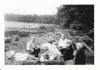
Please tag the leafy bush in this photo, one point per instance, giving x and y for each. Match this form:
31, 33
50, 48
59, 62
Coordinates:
42, 27
8, 40
24, 34
9, 33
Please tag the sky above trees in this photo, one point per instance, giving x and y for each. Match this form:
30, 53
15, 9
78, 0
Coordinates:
39, 7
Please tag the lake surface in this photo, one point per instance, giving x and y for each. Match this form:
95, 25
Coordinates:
11, 24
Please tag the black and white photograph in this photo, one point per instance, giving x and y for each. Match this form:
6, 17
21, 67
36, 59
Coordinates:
49, 34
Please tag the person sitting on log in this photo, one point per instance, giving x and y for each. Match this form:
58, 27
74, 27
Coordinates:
69, 51
32, 48
80, 57
52, 52
67, 47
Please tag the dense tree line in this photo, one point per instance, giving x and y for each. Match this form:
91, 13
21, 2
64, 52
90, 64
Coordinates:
50, 19
77, 17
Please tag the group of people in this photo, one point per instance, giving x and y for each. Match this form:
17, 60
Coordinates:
64, 49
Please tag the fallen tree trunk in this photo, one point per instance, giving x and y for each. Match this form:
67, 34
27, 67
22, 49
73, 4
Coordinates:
86, 46
89, 38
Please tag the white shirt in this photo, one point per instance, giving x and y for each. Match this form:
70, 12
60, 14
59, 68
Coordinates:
45, 46
30, 45
51, 48
52, 52
62, 43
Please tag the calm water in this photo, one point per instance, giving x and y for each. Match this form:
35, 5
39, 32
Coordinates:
11, 24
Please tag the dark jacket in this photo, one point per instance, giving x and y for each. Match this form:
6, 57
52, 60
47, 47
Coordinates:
68, 52
80, 57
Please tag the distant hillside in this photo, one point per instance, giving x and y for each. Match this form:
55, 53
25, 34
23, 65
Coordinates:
50, 19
